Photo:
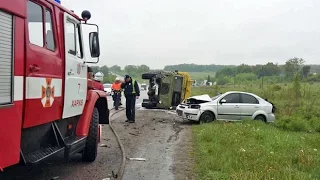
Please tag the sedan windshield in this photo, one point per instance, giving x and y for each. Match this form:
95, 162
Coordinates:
216, 97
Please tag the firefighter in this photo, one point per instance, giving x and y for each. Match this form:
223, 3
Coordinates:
116, 86
131, 92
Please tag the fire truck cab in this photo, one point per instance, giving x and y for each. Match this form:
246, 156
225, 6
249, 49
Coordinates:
46, 106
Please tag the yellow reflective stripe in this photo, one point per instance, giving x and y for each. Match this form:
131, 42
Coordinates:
134, 89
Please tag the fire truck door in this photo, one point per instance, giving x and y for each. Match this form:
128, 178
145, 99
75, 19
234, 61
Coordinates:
75, 90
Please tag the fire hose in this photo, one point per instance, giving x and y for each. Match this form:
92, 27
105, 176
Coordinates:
120, 172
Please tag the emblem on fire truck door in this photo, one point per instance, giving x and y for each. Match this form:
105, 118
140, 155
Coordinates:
47, 95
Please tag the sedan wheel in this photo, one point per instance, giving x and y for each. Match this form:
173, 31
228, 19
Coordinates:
206, 117
260, 118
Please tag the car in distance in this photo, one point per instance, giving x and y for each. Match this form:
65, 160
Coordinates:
230, 106
143, 86
107, 88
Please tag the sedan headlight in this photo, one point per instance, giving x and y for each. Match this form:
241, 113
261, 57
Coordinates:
195, 106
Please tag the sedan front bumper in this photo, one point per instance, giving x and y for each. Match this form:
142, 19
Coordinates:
270, 117
187, 113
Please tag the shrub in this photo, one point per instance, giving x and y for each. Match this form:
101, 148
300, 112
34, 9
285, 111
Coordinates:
223, 80
293, 123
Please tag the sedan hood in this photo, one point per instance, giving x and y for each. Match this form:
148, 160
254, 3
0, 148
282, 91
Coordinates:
204, 97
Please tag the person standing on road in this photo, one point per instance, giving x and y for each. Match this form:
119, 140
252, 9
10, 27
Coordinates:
131, 92
116, 86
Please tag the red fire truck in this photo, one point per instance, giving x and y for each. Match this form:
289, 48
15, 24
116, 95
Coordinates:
46, 106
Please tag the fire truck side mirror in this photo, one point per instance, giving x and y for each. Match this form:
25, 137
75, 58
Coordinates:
94, 44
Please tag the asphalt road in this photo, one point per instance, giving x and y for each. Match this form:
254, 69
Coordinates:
143, 95
108, 160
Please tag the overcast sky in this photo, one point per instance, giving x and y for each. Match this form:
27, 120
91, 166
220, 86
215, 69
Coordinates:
162, 32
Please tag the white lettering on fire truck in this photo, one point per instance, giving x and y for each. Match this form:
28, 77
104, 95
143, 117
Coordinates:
76, 103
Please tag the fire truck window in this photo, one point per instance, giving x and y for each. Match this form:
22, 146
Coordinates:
35, 23
49, 35
71, 38
79, 47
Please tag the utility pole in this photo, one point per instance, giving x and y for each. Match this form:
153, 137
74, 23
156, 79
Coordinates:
262, 74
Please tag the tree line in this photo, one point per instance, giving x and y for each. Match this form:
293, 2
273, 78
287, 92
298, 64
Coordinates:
195, 67
255, 68
109, 77
270, 71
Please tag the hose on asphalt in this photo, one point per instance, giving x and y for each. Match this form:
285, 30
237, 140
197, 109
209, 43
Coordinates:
123, 162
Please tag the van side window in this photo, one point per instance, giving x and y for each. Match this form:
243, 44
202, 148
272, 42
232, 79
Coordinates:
71, 38
35, 23
49, 32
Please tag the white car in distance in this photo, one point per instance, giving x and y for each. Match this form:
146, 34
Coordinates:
107, 88
230, 106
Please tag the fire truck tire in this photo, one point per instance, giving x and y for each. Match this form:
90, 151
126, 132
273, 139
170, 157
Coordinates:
91, 148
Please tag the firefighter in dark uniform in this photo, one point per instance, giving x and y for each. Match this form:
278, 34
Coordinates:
131, 92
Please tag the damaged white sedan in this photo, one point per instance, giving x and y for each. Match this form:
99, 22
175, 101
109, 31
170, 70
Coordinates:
232, 106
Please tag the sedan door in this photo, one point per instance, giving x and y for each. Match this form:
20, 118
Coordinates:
229, 107
249, 105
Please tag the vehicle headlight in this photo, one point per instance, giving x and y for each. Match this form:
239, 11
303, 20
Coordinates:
195, 106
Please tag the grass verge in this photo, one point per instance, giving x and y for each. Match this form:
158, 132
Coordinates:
254, 150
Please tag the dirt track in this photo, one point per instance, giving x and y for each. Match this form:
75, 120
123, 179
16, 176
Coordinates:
156, 136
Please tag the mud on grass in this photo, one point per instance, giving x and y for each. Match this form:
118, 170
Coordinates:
254, 150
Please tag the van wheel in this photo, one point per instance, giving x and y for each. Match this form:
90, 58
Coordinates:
260, 118
91, 150
206, 117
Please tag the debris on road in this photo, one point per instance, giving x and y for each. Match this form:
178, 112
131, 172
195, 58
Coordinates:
171, 112
133, 134
103, 145
54, 178
137, 159
106, 179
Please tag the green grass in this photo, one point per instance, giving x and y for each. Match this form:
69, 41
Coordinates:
254, 150
287, 149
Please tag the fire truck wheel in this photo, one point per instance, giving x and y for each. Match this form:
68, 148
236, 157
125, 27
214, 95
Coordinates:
91, 149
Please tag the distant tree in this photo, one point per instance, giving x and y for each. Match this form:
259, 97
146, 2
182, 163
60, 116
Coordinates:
131, 69
243, 68
109, 78
143, 68
223, 80
306, 71
271, 69
315, 68
297, 85
104, 69
209, 78
115, 68
95, 69
268, 69
227, 71
293, 66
